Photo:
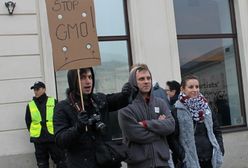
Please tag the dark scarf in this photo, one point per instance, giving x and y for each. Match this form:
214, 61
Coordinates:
196, 106
40, 99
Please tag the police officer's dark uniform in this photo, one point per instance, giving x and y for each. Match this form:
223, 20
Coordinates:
39, 121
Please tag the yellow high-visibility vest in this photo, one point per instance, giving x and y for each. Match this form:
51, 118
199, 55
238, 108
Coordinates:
35, 127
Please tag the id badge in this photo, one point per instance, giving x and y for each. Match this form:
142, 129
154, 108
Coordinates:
156, 109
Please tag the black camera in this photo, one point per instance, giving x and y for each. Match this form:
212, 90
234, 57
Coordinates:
96, 122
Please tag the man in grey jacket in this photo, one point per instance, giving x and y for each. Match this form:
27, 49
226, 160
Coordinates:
145, 124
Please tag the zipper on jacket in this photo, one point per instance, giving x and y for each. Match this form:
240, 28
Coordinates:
149, 117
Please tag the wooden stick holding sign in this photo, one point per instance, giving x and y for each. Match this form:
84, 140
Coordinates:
80, 89
73, 35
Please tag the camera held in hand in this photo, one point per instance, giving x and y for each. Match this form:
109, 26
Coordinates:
96, 122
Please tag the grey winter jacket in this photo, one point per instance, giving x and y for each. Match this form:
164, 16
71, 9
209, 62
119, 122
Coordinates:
148, 146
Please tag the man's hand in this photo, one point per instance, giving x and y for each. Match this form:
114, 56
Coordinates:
82, 121
127, 89
130, 91
143, 123
161, 117
83, 117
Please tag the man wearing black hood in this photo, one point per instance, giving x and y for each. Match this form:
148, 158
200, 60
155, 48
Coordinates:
78, 129
39, 121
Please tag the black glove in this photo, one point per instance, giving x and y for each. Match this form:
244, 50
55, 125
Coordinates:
127, 89
82, 121
130, 91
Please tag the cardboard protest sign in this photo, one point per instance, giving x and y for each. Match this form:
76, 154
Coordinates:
73, 33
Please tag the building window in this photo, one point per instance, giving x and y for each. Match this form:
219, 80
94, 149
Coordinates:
114, 44
207, 41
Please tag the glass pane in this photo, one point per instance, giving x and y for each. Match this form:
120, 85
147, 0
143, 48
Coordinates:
109, 76
202, 16
213, 61
112, 74
62, 85
109, 17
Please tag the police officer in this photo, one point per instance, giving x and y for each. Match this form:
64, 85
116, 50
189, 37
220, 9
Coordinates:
39, 121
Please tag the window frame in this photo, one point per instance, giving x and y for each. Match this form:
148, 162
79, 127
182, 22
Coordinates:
122, 37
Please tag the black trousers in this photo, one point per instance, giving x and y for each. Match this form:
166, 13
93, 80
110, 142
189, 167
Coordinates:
43, 151
206, 164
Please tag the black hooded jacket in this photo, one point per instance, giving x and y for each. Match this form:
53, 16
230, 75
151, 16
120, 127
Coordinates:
80, 146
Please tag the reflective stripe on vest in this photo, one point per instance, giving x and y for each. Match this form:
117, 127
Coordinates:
35, 127
49, 114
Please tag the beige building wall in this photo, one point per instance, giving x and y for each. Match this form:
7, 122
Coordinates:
20, 66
